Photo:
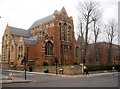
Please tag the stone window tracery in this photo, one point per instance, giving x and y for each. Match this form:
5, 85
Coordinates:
65, 31
60, 30
48, 48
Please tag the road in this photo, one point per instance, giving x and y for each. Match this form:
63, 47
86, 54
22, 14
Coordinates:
110, 80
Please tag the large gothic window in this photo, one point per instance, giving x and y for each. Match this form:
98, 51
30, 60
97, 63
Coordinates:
77, 51
49, 48
60, 30
65, 31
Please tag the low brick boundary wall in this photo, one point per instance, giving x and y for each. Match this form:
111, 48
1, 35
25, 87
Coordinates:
68, 70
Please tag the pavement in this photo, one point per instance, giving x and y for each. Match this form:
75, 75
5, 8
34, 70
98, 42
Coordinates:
4, 80
15, 80
21, 80
90, 75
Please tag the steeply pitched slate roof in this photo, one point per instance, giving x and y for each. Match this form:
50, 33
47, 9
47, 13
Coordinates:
31, 40
20, 32
42, 21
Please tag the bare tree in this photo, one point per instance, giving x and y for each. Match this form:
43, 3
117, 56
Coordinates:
111, 30
81, 37
87, 10
80, 27
96, 31
96, 23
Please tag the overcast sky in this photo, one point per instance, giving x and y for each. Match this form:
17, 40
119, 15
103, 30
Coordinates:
23, 13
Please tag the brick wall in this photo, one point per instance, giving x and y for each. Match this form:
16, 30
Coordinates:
68, 70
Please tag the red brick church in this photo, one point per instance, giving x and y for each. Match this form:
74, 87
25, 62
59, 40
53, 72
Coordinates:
48, 38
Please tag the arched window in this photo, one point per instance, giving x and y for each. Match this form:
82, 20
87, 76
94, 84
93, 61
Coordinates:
77, 51
60, 30
65, 31
90, 55
48, 48
69, 30
19, 48
12, 48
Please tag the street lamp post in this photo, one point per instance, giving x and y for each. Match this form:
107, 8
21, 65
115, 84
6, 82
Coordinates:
24, 60
25, 70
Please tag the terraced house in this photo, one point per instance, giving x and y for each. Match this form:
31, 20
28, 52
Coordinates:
48, 38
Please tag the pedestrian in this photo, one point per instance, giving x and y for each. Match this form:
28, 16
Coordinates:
113, 68
84, 69
87, 73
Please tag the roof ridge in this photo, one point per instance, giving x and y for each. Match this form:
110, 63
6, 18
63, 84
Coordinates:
42, 20
17, 28
20, 31
44, 17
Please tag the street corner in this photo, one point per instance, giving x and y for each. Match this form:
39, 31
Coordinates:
15, 81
